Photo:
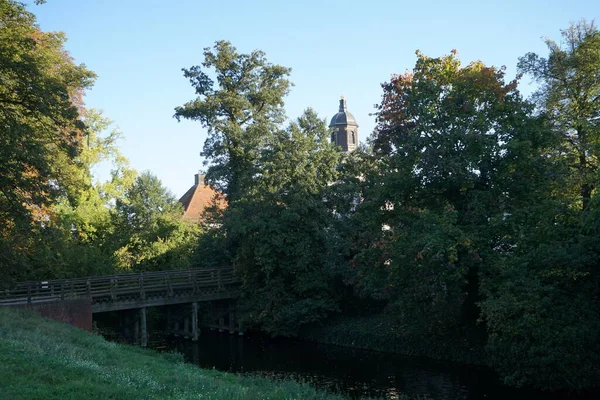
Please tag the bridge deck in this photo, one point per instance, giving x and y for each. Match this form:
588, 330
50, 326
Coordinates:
127, 291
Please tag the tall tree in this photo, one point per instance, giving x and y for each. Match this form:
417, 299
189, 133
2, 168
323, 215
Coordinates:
41, 129
541, 298
241, 112
86, 217
455, 148
280, 230
41, 123
569, 95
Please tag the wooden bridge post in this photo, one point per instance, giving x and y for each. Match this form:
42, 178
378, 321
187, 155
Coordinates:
186, 327
144, 341
195, 354
221, 322
195, 331
169, 323
136, 329
29, 294
231, 319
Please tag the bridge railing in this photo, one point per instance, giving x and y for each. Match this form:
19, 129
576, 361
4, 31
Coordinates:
114, 287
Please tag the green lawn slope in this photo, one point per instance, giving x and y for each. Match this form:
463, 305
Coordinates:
44, 359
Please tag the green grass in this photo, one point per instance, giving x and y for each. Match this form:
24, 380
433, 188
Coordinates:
381, 332
44, 359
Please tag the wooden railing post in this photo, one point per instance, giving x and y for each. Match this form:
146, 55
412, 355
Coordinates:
169, 287
194, 278
219, 281
88, 286
62, 290
141, 283
29, 293
113, 284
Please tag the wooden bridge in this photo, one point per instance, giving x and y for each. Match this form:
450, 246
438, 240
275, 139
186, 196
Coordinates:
131, 291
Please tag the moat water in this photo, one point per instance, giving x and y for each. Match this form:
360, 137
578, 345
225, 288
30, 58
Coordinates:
353, 372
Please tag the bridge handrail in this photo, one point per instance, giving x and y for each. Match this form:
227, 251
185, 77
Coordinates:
136, 274
112, 286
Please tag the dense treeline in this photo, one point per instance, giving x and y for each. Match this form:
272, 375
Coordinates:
55, 219
470, 211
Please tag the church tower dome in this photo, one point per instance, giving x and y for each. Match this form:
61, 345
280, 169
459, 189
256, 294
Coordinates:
344, 129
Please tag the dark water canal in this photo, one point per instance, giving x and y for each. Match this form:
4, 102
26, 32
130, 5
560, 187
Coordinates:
352, 372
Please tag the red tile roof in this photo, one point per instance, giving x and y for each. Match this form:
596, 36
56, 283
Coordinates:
197, 198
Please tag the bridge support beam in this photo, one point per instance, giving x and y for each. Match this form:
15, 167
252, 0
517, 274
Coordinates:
144, 339
186, 327
231, 319
221, 323
195, 330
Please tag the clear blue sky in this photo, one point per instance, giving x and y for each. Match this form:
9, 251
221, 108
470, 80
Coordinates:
138, 48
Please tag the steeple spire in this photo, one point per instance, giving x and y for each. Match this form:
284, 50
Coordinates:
342, 104
344, 129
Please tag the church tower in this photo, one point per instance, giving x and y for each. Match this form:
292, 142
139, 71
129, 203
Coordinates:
344, 129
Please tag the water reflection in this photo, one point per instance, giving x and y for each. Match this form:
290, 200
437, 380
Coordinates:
353, 372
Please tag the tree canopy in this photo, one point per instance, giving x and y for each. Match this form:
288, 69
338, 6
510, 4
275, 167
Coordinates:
569, 96
241, 111
471, 213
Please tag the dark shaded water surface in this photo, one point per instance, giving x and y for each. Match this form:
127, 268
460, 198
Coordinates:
349, 371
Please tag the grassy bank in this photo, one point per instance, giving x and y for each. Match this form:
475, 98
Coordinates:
43, 359
380, 332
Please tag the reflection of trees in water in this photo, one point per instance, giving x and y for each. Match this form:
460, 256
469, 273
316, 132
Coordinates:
354, 372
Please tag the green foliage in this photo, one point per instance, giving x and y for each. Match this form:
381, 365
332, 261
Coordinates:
88, 210
451, 149
569, 95
541, 292
40, 136
241, 113
41, 124
153, 234
280, 230
466, 206
56, 220
274, 228
384, 332
543, 321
